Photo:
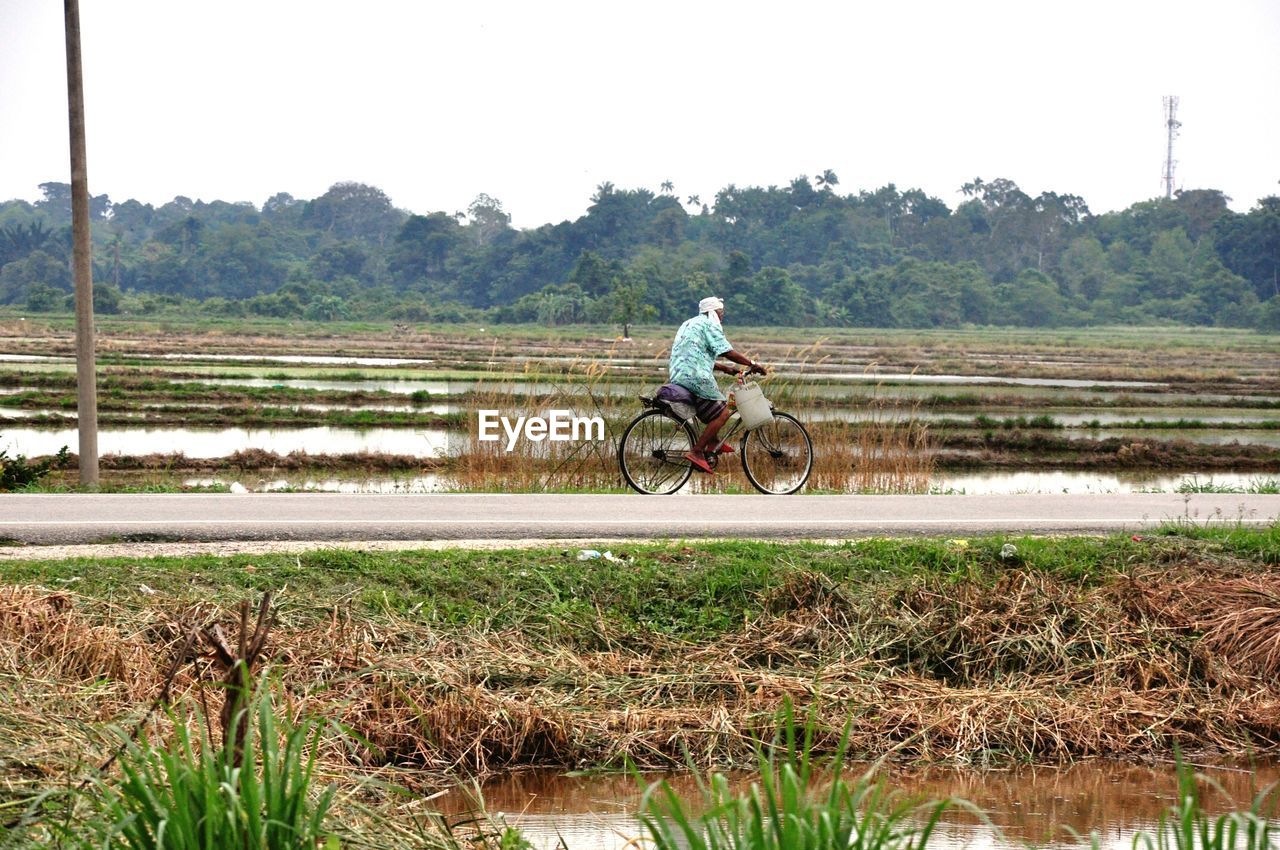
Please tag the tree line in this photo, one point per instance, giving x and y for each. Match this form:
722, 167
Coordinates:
798, 254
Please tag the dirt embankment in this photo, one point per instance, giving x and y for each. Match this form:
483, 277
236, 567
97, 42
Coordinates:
1032, 667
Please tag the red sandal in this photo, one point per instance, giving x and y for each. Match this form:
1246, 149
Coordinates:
699, 463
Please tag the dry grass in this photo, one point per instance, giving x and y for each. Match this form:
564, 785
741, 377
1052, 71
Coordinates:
890, 452
1238, 617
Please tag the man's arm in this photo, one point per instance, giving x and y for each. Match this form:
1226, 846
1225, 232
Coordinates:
733, 355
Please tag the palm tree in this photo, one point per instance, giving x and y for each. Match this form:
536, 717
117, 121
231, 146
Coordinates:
667, 187
827, 179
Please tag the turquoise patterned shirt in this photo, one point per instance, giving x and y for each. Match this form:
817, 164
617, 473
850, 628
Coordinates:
693, 354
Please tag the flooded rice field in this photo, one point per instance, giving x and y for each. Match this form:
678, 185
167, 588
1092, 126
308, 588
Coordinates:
1031, 408
1029, 805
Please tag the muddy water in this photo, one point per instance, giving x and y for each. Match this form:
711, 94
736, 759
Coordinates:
1035, 805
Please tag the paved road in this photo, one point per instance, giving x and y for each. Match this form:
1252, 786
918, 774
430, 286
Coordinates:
88, 518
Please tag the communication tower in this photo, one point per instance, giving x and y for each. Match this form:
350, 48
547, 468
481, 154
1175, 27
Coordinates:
1171, 124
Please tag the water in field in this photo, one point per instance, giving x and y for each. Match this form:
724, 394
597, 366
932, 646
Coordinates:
1047, 481
292, 359
943, 484
199, 443
1067, 417
397, 386
34, 358
1040, 806
915, 378
1210, 436
855, 393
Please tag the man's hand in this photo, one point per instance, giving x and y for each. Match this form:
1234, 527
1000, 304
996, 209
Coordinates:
757, 369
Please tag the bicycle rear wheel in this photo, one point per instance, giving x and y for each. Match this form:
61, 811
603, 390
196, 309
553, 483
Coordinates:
652, 453
778, 457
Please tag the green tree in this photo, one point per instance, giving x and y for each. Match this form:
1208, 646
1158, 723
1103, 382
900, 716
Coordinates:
1219, 290
338, 260
1249, 245
486, 219
42, 298
326, 308
106, 299
1167, 269
19, 239
354, 211
594, 274
1202, 207
1031, 300
769, 297
1269, 315
423, 246
1083, 267
36, 267
627, 302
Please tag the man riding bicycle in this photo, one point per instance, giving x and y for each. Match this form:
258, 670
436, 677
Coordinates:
698, 343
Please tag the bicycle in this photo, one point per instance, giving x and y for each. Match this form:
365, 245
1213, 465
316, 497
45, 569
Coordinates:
777, 457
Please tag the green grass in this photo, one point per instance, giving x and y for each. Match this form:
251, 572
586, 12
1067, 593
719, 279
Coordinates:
1259, 486
186, 794
695, 592
794, 804
1187, 826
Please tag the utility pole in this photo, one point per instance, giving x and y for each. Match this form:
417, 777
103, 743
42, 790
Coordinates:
1171, 124
82, 259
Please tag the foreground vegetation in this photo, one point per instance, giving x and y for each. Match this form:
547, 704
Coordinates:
201, 795
963, 651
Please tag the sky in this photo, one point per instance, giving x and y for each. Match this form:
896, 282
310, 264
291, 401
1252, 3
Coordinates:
537, 102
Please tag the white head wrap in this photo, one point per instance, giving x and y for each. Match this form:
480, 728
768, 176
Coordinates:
708, 306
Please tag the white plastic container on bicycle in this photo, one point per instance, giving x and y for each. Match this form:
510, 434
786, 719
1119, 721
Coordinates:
753, 408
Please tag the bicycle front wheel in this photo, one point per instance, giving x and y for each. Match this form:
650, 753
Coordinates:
778, 457
652, 453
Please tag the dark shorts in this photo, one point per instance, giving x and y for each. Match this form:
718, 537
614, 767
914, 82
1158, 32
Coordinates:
706, 409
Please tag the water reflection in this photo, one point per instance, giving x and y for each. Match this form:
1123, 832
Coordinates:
417, 442
852, 392
916, 378
309, 359
397, 386
34, 358
1091, 482
966, 484
1026, 804
387, 486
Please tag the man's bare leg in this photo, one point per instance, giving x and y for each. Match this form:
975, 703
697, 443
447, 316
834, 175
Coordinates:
710, 434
